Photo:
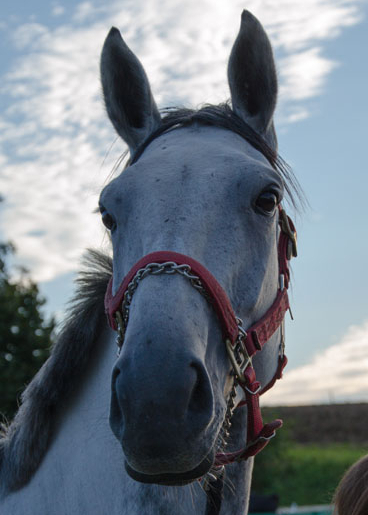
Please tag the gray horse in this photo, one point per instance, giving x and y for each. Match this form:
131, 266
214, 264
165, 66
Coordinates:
202, 192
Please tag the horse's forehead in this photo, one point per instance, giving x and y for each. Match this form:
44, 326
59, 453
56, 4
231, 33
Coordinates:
188, 161
199, 145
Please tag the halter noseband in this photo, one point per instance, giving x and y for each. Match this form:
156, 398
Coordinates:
241, 345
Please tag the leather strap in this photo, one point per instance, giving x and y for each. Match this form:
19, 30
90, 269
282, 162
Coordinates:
252, 448
260, 332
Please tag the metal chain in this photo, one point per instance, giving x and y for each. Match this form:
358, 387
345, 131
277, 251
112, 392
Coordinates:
169, 267
226, 425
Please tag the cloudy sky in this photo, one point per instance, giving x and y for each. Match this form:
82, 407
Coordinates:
57, 148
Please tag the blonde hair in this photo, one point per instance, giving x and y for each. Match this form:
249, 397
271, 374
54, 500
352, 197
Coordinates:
351, 496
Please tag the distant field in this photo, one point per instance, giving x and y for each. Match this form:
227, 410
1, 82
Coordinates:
307, 459
330, 423
305, 474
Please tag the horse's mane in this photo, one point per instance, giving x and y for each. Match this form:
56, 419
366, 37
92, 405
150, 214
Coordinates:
25, 441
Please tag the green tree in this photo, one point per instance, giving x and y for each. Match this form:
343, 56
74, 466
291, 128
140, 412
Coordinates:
25, 335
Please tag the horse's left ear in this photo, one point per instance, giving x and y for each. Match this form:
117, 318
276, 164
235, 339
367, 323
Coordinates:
127, 92
252, 78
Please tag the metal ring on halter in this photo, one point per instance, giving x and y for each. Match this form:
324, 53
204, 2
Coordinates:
255, 392
266, 438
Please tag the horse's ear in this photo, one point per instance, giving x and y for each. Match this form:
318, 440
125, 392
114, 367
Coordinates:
127, 93
252, 77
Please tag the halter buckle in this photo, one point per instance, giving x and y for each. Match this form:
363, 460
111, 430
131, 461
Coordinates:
239, 358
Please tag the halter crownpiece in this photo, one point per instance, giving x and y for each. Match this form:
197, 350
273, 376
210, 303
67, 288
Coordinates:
241, 344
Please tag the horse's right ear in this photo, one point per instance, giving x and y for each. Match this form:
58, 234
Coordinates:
127, 93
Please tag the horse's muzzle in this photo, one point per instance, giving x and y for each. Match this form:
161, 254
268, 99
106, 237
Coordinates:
163, 417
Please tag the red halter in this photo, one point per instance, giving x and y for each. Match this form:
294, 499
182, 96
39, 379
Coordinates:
241, 345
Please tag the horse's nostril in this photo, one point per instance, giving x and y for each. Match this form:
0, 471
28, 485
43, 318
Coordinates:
201, 395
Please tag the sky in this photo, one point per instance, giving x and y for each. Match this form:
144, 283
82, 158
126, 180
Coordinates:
57, 149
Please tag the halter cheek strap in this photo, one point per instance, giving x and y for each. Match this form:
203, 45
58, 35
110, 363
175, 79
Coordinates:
241, 345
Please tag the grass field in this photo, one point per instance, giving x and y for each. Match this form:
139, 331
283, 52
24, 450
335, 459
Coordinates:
309, 455
306, 474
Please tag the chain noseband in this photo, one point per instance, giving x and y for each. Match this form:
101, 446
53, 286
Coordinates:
241, 344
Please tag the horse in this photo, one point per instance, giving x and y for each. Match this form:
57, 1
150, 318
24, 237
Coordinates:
168, 420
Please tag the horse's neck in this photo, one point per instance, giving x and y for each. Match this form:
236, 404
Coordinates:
83, 470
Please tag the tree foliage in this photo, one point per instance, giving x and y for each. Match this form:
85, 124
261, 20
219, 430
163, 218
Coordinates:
25, 335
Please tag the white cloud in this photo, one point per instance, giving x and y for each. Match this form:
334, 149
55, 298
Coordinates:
294, 25
28, 34
55, 133
303, 74
57, 10
338, 374
84, 11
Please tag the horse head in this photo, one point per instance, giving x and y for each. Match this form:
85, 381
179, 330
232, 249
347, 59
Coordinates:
203, 187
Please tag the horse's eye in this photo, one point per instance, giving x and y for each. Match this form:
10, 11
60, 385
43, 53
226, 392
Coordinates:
108, 221
267, 202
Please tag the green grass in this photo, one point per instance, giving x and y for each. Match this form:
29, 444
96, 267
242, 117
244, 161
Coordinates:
305, 474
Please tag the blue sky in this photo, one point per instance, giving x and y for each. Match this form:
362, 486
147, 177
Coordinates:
54, 137
328, 152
